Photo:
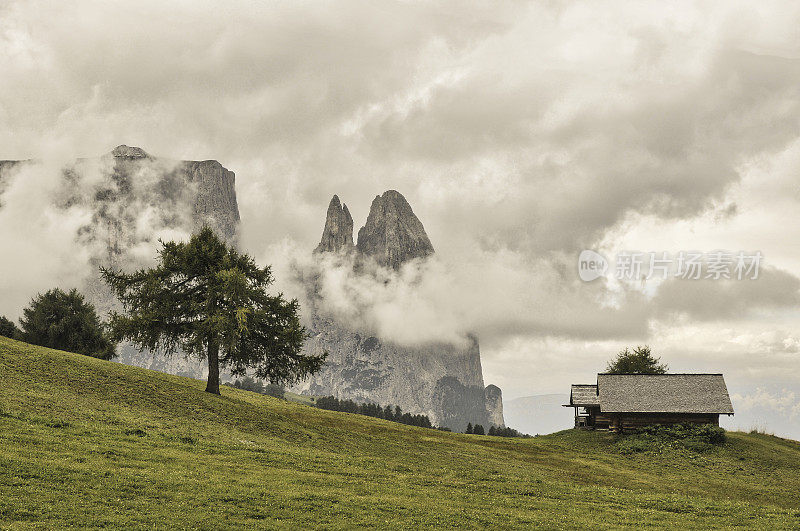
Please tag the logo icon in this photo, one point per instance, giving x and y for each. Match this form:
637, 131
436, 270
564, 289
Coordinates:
591, 265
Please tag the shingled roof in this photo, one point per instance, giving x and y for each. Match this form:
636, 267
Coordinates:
584, 395
663, 393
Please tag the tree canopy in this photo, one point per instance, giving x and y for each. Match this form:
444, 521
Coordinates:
637, 361
207, 300
64, 320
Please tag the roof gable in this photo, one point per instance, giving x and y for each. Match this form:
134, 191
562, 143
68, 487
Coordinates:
584, 395
663, 393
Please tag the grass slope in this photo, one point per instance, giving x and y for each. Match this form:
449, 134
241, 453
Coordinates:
90, 443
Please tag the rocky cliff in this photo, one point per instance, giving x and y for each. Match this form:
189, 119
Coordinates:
438, 380
133, 194
131, 199
441, 380
494, 406
204, 189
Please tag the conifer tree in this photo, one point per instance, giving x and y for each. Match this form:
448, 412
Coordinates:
209, 301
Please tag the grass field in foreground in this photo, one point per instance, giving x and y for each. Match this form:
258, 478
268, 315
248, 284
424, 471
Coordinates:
90, 443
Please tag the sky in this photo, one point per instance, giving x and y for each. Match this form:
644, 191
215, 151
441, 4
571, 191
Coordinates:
521, 134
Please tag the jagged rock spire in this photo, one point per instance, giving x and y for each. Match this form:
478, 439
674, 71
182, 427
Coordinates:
338, 231
393, 234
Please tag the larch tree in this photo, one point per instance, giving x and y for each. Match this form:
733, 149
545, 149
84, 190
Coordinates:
209, 301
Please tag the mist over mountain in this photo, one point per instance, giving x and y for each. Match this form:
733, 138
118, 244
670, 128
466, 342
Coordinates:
120, 204
441, 379
392, 234
62, 220
109, 210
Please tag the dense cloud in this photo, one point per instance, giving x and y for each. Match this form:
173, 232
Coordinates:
60, 220
521, 134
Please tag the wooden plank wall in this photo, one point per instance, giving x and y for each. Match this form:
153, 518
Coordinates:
630, 421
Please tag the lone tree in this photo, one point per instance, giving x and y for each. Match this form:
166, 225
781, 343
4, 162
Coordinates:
64, 320
209, 301
637, 361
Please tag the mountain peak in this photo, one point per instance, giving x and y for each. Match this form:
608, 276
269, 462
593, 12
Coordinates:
338, 231
128, 152
393, 234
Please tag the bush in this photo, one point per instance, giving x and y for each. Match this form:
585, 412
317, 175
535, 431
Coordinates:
632, 445
713, 434
248, 383
65, 321
8, 328
696, 444
274, 390
694, 437
701, 432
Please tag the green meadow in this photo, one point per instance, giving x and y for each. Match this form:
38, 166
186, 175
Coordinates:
90, 443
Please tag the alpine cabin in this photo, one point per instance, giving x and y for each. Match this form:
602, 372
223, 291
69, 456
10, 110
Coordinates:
628, 401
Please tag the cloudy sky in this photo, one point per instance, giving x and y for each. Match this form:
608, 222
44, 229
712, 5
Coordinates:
521, 134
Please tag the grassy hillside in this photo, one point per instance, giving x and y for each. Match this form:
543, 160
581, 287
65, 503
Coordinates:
90, 443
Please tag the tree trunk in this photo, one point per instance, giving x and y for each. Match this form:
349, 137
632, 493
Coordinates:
213, 368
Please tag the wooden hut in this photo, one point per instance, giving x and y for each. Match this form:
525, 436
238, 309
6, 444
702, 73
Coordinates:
628, 401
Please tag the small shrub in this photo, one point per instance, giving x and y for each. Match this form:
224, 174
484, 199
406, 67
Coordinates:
759, 430
713, 434
137, 432
274, 390
632, 445
248, 383
696, 444
8, 328
697, 438
707, 432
